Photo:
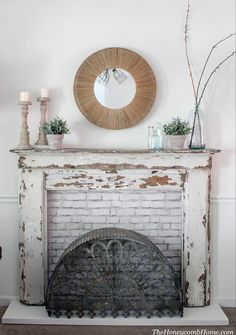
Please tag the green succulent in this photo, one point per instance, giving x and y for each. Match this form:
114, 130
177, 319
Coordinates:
56, 126
177, 127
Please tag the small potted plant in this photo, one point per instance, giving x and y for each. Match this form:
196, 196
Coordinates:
176, 132
55, 131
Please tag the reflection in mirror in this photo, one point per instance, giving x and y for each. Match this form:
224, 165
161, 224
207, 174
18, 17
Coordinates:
115, 88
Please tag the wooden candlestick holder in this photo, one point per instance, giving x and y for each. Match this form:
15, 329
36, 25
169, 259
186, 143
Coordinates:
24, 133
42, 139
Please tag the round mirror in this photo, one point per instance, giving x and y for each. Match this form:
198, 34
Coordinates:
115, 88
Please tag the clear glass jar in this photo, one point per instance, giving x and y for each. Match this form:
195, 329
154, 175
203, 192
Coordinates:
158, 133
197, 123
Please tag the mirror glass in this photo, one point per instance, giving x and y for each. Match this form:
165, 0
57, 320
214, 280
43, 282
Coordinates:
115, 88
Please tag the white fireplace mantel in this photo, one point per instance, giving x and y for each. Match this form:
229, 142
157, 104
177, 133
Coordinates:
107, 170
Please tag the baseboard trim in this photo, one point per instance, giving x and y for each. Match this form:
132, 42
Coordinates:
12, 199
226, 302
223, 200
6, 299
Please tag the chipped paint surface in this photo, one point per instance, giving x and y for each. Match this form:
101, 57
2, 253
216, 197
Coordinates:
94, 170
114, 160
123, 179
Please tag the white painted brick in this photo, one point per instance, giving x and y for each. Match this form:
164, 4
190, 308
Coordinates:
175, 260
61, 219
116, 203
74, 233
152, 226
58, 233
125, 219
130, 196
172, 253
110, 196
161, 211
113, 211
60, 240
154, 219
80, 211
93, 219
96, 204
70, 239
76, 218
122, 209
74, 204
52, 211
100, 211
51, 195
176, 211
173, 204
74, 225
60, 226
74, 196
143, 211
138, 226
54, 204
129, 226
113, 219
142, 219
58, 246
171, 219
176, 226
166, 226
97, 226
94, 196
173, 196
53, 253
131, 204
126, 211
169, 233
154, 233
174, 247
88, 226
64, 212
154, 196
172, 240
153, 204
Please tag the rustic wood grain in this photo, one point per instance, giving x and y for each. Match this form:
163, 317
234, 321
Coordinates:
115, 118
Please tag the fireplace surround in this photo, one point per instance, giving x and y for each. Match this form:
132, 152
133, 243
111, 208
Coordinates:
82, 170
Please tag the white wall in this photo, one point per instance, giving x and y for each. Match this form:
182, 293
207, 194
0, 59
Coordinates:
42, 44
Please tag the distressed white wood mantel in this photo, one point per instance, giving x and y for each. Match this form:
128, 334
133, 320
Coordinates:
77, 169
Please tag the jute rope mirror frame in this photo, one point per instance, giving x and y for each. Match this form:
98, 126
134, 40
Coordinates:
109, 118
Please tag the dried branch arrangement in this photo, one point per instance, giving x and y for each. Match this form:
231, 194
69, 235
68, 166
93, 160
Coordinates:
198, 92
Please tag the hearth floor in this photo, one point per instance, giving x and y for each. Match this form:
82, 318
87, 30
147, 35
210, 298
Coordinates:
18, 313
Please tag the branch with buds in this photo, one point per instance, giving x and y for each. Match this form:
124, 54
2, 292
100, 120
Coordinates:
198, 94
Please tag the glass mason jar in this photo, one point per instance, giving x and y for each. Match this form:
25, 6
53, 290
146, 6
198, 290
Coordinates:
197, 138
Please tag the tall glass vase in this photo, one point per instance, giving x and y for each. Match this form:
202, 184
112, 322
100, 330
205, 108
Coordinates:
197, 140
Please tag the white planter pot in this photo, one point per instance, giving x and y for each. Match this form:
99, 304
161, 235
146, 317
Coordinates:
175, 142
55, 141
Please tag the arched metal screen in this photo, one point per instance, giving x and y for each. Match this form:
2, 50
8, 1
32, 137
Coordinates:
114, 272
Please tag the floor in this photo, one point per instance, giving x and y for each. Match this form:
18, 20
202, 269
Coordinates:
85, 330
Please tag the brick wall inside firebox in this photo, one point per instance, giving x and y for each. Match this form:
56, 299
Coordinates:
157, 215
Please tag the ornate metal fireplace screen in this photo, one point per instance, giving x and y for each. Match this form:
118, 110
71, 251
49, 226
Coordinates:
113, 272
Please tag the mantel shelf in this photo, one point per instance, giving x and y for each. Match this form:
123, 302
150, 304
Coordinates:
110, 151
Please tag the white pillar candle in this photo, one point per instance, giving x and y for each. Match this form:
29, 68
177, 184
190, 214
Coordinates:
44, 93
24, 96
